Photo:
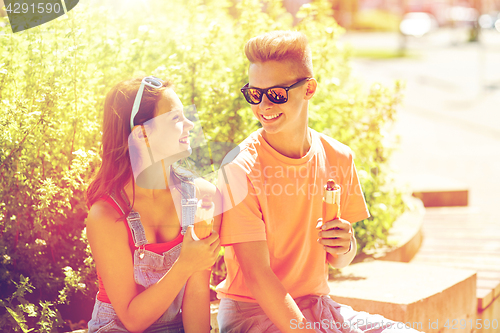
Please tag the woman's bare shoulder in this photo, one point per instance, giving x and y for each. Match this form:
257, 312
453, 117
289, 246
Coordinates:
102, 212
104, 225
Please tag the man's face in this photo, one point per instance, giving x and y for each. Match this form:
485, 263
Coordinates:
279, 118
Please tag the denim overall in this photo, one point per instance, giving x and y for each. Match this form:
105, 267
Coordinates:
149, 267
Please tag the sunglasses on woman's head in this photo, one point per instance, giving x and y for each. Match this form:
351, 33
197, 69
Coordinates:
277, 94
149, 81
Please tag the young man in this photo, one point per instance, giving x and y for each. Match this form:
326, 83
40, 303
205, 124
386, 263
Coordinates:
275, 256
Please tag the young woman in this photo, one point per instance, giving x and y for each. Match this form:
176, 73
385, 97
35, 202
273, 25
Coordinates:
153, 277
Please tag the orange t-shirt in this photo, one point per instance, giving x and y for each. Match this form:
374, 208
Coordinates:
268, 196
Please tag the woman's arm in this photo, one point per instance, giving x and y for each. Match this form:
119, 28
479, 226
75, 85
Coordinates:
196, 303
137, 307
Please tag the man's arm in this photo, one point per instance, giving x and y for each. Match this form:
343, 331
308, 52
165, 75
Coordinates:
337, 237
265, 286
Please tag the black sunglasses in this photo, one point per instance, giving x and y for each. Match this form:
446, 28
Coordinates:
277, 94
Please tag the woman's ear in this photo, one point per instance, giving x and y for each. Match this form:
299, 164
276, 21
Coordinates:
139, 133
312, 84
136, 131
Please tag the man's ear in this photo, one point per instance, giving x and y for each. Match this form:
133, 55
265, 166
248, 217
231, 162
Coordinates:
312, 84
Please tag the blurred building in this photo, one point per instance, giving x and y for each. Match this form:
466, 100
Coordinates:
445, 11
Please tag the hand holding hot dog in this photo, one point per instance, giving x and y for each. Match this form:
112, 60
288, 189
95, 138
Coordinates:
335, 236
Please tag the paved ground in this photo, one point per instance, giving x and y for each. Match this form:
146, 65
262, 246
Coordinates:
450, 121
449, 127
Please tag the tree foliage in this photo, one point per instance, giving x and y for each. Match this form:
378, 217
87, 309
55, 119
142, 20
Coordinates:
53, 79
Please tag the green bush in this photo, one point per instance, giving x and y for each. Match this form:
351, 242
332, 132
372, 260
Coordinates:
53, 80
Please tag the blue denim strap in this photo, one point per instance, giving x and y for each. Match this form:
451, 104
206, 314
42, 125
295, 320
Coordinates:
112, 196
134, 222
188, 203
135, 225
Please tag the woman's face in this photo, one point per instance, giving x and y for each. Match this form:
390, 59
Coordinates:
168, 131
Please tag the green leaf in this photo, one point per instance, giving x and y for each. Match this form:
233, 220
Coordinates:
20, 320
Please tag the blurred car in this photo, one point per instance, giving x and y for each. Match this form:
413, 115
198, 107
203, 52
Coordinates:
461, 16
417, 24
490, 21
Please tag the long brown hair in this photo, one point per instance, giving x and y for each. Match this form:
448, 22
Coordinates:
115, 170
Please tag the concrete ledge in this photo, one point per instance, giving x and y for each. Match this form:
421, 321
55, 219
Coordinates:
409, 293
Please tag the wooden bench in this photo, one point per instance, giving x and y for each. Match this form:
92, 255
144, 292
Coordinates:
437, 191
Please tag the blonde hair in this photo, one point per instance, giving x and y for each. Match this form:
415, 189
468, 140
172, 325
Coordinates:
289, 46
